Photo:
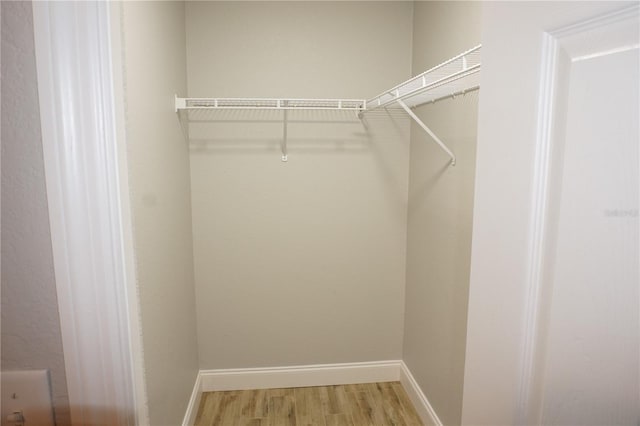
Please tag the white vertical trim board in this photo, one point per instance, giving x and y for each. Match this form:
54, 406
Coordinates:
135, 320
533, 315
300, 376
418, 398
88, 231
194, 403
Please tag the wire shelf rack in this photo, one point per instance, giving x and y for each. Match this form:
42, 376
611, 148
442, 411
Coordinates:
458, 75
268, 103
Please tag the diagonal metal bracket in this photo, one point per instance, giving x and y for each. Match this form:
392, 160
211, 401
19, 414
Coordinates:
428, 130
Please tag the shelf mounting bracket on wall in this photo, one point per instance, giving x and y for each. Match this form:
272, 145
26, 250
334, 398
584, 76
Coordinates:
284, 132
428, 130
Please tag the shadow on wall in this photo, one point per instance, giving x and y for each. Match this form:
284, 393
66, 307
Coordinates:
263, 131
420, 193
378, 142
255, 131
391, 130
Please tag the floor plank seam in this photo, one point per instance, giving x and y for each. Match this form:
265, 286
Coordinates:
372, 404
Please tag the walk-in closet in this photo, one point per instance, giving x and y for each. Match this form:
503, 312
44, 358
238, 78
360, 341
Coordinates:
322, 213
303, 214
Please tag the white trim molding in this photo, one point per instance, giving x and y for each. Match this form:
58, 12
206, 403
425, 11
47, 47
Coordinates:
289, 377
569, 43
539, 239
194, 403
83, 174
300, 376
311, 375
418, 398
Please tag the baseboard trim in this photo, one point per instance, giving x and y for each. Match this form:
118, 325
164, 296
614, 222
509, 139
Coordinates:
299, 376
194, 403
310, 375
418, 398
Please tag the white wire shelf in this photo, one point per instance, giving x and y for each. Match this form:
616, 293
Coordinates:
268, 103
458, 75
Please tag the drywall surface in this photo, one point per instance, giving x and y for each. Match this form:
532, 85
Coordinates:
31, 336
300, 262
440, 214
154, 69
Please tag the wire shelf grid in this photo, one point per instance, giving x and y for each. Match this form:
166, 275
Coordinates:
268, 103
456, 76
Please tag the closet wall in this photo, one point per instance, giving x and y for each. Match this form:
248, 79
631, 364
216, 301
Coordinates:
440, 214
300, 262
158, 159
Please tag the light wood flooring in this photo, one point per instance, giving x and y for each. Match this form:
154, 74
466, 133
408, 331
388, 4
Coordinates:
372, 404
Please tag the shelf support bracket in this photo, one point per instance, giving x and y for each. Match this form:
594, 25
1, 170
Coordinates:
426, 129
181, 103
284, 133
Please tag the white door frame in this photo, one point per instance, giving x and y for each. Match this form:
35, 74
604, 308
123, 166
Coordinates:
592, 37
526, 46
82, 118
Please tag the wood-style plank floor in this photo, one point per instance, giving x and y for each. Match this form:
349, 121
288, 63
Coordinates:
371, 404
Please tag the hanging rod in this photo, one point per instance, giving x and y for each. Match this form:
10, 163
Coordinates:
457, 76
356, 105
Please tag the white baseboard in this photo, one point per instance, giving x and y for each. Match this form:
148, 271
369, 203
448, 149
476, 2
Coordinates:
420, 401
194, 403
310, 375
300, 376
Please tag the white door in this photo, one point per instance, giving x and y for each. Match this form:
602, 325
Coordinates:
553, 331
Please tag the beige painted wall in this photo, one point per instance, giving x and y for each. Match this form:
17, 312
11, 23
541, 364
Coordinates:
31, 336
300, 262
154, 69
440, 214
